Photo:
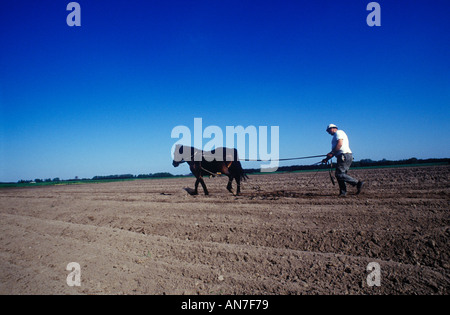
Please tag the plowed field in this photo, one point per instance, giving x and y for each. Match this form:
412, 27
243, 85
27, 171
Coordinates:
281, 236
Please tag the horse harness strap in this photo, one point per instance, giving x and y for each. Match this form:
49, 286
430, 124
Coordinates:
211, 173
205, 170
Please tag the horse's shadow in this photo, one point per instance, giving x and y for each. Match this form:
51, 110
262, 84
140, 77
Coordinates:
190, 191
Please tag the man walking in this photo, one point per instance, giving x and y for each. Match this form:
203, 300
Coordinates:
340, 148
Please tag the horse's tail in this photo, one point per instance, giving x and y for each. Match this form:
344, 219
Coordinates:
241, 171
232, 156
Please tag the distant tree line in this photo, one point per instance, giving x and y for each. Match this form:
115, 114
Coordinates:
362, 163
131, 176
97, 178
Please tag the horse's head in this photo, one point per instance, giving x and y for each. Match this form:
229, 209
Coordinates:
186, 154
176, 163
178, 155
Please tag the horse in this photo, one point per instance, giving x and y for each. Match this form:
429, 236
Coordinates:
220, 160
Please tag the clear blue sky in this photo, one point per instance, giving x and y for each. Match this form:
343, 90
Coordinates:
103, 98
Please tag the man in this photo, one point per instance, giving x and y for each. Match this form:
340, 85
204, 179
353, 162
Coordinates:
340, 148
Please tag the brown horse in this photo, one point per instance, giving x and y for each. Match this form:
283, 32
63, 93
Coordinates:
221, 160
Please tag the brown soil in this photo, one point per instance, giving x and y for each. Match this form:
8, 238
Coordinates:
281, 236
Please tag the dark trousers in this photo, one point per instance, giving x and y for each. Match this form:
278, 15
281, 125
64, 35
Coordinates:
343, 165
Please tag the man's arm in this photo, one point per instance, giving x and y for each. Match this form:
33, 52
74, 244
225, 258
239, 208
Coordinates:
338, 146
333, 152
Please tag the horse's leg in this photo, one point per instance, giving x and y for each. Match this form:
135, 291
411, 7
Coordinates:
196, 186
195, 172
203, 185
238, 183
229, 187
226, 172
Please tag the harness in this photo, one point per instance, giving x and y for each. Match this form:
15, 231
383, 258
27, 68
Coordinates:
211, 174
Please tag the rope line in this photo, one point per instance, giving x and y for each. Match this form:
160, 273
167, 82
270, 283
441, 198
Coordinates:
288, 159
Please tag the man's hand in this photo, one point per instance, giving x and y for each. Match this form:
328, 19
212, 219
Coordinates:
329, 156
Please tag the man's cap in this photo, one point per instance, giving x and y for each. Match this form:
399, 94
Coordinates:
331, 126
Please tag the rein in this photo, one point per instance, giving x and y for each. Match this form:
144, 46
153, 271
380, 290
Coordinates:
329, 171
288, 159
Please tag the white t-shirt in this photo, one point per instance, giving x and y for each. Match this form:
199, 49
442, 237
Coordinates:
340, 134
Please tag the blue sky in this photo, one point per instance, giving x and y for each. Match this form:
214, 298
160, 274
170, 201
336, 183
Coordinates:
103, 98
